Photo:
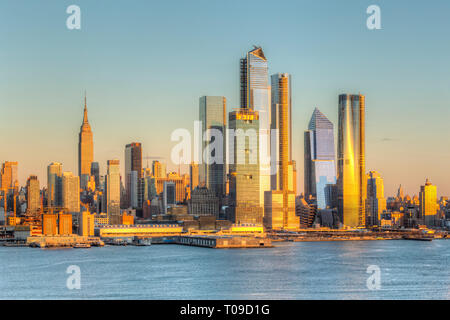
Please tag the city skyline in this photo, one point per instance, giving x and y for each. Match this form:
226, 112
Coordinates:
398, 121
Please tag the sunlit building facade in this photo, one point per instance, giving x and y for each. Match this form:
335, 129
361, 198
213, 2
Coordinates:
85, 149
279, 204
9, 176
351, 177
54, 184
244, 167
428, 204
112, 190
33, 195
319, 164
71, 192
255, 95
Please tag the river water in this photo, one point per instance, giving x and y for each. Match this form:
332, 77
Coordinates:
301, 270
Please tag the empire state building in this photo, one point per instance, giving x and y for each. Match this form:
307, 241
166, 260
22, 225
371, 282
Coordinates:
85, 149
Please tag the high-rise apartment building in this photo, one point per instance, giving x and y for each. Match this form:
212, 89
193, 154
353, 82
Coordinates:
212, 170
71, 192
280, 83
320, 168
375, 202
244, 167
112, 190
33, 195
255, 95
54, 184
279, 204
351, 177
428, 203
85, 149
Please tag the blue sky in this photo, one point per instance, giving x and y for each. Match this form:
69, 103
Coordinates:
144, 65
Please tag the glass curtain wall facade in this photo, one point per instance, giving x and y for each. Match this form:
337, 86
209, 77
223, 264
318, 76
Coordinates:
244, 167
320, 168
351, 178
212, 114
255, 95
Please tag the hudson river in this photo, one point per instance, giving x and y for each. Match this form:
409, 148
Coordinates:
302, 270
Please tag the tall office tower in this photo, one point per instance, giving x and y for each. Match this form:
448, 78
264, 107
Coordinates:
351, 177
279, 204
71, 192
375, 203
278, 80
244, 167
159, 169
95, 172
212, 169
255, 95
54, 184
33, 195
149, 188
169, 195
133, 175
320, 168
428, 203
194, 175
9, 177
85, 149
112, 189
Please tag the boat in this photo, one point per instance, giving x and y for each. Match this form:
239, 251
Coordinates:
82, 246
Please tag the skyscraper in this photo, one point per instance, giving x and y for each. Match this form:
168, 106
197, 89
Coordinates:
351, 177
112, 190
71, 192
54, 184
212, 114
279, 204
9, 176
255, 95
375, 203
95, 172
280, 83
159, 169
194, 175
244, 167
33, 195
85, 149
320, 169
428, 203
133, 174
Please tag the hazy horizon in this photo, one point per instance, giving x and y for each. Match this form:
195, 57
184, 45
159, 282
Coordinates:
144, 66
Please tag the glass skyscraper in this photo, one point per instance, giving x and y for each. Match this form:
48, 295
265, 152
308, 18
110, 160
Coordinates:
244, 167
375, 203
255, 95
212, 114
133, 174
351, 177
320, 168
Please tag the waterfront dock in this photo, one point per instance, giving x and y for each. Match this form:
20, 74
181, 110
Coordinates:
224, 242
